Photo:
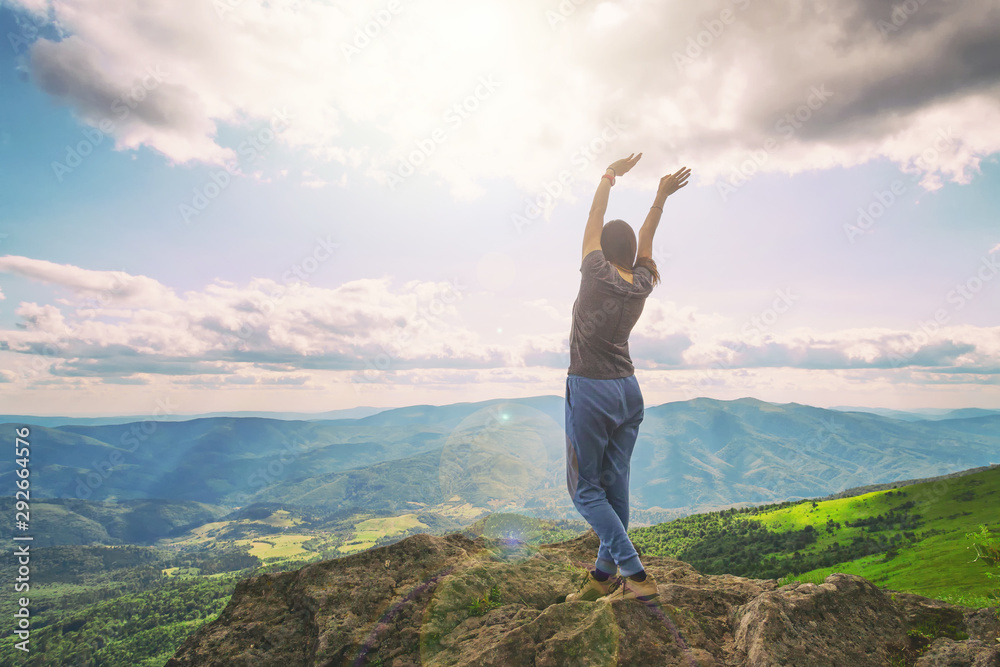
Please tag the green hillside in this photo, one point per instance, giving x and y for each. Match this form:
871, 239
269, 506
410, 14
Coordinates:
916, 539
61, 521
115, 627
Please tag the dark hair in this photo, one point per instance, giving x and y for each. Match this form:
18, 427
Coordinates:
619, 246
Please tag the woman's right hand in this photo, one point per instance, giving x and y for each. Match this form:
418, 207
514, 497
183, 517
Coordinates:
671, 183
623, 166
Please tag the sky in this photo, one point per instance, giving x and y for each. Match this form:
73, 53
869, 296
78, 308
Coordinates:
239, 205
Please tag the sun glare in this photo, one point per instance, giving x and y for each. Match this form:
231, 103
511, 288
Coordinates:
473, 32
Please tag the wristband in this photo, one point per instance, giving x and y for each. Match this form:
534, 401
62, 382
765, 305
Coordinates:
659, 207
610, 178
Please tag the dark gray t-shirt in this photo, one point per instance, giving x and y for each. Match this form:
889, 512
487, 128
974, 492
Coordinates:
606, 309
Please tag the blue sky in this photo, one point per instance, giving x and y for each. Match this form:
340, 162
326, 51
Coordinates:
311, 281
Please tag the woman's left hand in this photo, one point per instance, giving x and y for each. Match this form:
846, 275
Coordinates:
622, 166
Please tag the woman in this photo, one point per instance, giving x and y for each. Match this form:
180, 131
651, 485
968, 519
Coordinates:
604, 405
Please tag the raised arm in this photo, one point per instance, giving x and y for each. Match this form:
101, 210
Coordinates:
669, 184
595, 221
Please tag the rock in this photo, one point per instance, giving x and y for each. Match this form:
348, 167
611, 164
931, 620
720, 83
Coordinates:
940, 619
806, 624
410, 604
330, 612
946, 652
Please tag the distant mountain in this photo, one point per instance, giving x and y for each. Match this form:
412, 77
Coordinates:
216, 460
705, 452
52, 421
503, 454
691, 456
964, 413
917, 415
361, 412
346, 413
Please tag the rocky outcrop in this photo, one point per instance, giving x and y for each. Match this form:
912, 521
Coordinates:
413, 604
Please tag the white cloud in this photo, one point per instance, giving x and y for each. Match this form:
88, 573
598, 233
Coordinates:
956, 349
311, 180
42, 319
98, 287
270, 332
545, 306
359, 325
556, 84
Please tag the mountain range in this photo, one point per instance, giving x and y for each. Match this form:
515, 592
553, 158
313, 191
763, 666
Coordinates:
917, 415
62, 420
501, 454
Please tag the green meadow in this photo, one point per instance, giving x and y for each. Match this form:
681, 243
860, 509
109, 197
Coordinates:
367, 533
924, 538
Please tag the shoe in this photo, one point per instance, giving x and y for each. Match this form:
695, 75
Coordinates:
593, 589
629, 589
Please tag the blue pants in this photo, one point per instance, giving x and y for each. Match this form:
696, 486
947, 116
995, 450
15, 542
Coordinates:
602, 424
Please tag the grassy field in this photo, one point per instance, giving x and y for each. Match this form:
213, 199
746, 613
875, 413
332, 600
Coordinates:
459, 510
914, 539
368, 532
942, 565
269, 548
278, 547
181, 571
282, 519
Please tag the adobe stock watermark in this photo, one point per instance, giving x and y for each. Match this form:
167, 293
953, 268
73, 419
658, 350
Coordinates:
225, 7
453, 117
827, 429
299, 271
660, 255
456, 465
138, 433
26, 33
900, 15
376, 366
253, 146
592, 319
966, 291
696, 45
266, 475
121, 107
370, 30
49, 350
562, 12
786, 126
759, 324
562, 183
882, 200
958, 297
756, 325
